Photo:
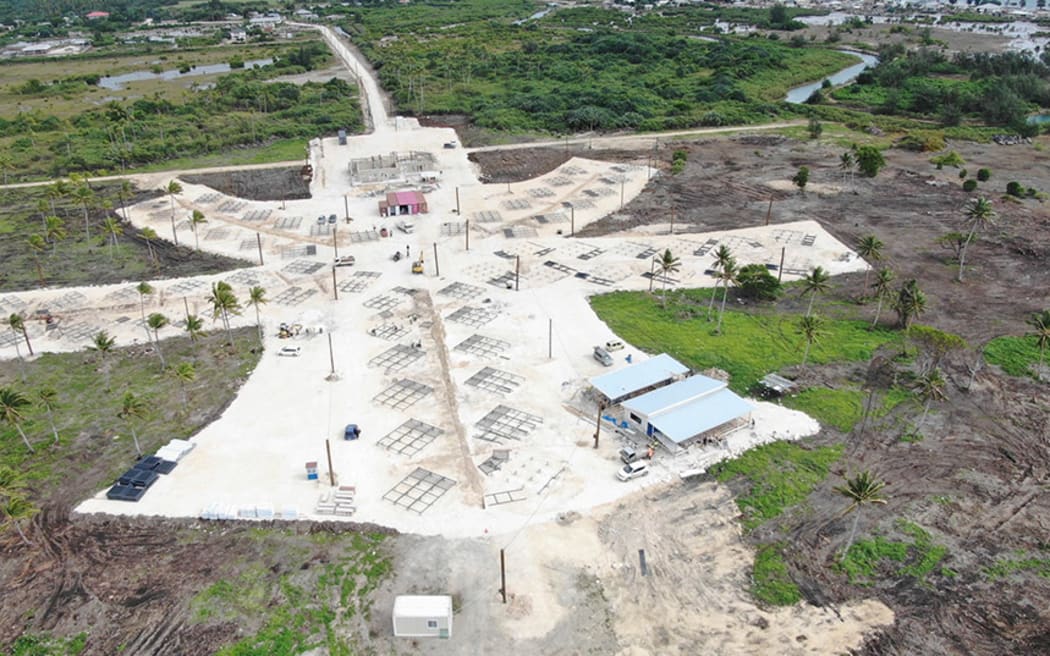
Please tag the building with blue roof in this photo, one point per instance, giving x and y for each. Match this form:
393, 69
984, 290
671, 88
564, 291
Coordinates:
656, 372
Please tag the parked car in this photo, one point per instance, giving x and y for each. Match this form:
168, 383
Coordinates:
613, 345
321, 220
629, 454
450, 144
635, 469
601, 355
345, 260
406, 227
352, 432
332, 218
290, 351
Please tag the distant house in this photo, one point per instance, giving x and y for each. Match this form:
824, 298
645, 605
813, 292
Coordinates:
403, 202
637, 379
96, 15
238, 36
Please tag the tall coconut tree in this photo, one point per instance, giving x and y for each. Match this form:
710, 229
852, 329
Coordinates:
56, 190
84, 197
124, 192
185, 373
1040, 323
16, 509
112, 227
224, 305
197, 219
909, 303
37, 245
12, 405
54, 231
133, 408
156, 321
930, 387
150, 235
668, 264
722, 257
979, 214
881, 288
173, 189
5, 165
847, 164
814, 283
194, 326
256, 298
144, 289
862, 490
102, 343
811, 328
47, 398
17, 323
870, 248
727, 276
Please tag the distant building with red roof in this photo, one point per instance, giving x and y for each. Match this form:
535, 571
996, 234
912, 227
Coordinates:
95, 15
403, 202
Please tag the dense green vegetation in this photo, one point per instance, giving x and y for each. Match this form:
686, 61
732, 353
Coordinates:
842, 407
44, 645
780, 475
1018, 356
1021, 561
916, 558
579, 69
770, 582
243, 109
751, 344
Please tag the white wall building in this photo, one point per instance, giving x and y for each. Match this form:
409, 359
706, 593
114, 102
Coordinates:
417, 616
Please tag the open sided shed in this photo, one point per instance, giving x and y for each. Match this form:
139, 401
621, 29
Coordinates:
697, 409
403, 202
639, 378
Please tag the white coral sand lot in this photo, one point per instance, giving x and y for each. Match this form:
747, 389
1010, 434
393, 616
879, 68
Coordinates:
468, 381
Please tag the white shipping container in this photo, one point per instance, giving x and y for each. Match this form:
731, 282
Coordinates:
418, 616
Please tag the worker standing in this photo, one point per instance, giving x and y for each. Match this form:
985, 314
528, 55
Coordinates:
406, 251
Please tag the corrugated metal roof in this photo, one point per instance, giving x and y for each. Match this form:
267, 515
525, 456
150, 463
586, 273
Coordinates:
665, 397
422, 606
701, 415
408, 197
638, 376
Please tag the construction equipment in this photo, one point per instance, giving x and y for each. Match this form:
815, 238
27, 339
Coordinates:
417, 266
286, 331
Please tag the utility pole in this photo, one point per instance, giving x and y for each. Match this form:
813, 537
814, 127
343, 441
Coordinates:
335, 241
623, 181
572, 220
258, 242
769, 212
517, 271
346, 208
437, 267
331, 355
652, 272
466, 233
335, 290
550, 337
331, 472
457, 200
672, 219
780, 270
502, 576
598, 424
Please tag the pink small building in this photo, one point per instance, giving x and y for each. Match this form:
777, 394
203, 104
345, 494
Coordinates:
403, 202
97, 14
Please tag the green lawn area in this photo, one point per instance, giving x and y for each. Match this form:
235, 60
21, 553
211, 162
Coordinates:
842, 407
750, 346
917, 557
281, 150
770, 582
1018, 356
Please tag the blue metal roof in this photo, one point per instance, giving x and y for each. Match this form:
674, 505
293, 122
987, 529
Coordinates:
638, 376
665, 397
701, 415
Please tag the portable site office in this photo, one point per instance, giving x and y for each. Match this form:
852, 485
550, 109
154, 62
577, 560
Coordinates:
417, 616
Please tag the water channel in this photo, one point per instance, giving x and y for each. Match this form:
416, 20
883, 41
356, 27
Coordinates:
800, 94
117, 82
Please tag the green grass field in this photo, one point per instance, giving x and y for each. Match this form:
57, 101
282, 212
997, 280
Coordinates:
1018, 356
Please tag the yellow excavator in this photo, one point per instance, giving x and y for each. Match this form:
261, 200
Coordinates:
417, 266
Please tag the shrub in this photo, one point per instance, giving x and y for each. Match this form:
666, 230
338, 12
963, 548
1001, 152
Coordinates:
1014, 188
950, 158
983, 174
869, 160
962, 174
969, 185
757, 283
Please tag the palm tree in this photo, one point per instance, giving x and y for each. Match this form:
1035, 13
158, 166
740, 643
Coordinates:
11, 404
870, 248
722, 257
47, 398
172, 190
54, 231
194, 326
979, 212
224, 303
861, 490
57, 189
150, 235
882, 289
144, 289
847, 164
156, 321
909, 304
1040, 322
197, 219
133, 407
817, 282
124, 194
114, 229
83, 195
812, 329
727, 276
257, 297
184, 372
668, 264
37, 245
14, 510
5, 165
18, 324
930, 387
102, 344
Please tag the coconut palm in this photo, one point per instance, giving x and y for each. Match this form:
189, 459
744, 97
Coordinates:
5, 165
144, 289
57, 189
257, 297
979, 213
47, 398
185, 373
12, 404
124, 195
150, 235
194, 326
864, 489
102, 344
173, 189
133, 408
847, 164
930, 387
727, 276
15, 509
224, 304
84, 197
722, 257
881, 287
17, 323
909, 303
870, 248
816, 282
112, 227
197, 219
37, 245
156, 321
1040, 323
668, 264
54, 231
812, 329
